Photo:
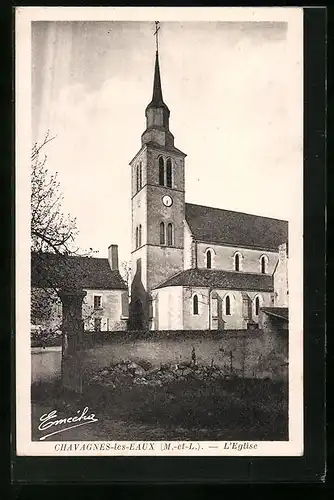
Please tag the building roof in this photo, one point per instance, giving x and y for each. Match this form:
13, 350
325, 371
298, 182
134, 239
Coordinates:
60, 271
279, 312
214, 225
217, 278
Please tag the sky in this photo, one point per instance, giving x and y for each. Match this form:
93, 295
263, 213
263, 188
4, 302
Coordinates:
235, 97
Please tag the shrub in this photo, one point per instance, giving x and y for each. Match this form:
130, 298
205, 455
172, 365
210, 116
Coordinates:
44, 337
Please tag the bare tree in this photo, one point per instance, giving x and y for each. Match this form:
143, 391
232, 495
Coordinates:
53, 233
51, 230
126, 273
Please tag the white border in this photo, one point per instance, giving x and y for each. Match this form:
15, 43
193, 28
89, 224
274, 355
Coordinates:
24, 17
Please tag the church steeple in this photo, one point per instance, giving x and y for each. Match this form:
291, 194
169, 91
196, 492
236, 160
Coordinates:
157, 99
157, 112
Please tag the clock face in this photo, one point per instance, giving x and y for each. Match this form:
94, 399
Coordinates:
167, 201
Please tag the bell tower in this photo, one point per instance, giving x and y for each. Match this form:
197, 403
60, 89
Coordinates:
158, 206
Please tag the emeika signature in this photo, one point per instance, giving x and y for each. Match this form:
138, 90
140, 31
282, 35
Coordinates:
51, 419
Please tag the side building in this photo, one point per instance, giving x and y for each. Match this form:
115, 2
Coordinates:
105, 307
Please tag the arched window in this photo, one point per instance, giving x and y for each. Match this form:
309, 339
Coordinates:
161, 171
257, 306
170, 234
162, 233
169, 172
227, 306
140, 175
139, 236
263, 264
208, 259
195, 304
237, 261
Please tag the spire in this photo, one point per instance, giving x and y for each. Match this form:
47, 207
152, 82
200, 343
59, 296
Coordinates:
157, 113
157, 99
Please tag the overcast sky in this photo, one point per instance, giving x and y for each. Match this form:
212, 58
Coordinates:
234, 93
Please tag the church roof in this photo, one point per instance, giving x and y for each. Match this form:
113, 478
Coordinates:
60, 271
279, 312
214, 225
217, 278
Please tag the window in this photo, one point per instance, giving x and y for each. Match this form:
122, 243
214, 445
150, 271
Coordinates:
162, 233
237, 262
150, 308
161, 171
208, 259
97, 301
170, 234
257, 306
138, 266
139, 236
227, 306
97, 324
195, 304
137, 178
169, 173
264, 261
214, 307
140, 176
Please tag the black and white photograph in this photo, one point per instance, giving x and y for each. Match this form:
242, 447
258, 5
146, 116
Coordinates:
159, 231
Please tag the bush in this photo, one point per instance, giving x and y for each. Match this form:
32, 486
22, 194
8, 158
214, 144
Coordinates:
44, 337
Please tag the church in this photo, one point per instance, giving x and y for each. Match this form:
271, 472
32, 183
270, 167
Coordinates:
195, 267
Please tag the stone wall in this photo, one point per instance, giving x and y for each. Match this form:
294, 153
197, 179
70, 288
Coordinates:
249, 353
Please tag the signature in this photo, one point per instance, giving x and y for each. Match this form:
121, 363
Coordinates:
51, 420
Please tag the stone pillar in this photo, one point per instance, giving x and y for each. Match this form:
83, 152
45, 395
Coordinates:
72, 329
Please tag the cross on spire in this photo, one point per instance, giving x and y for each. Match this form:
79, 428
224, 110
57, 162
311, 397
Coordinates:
156, 34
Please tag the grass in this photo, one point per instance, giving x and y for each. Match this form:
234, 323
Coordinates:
224, 409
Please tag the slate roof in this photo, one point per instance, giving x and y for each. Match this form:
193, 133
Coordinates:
86, 272
280, 312
214, 225
217, 278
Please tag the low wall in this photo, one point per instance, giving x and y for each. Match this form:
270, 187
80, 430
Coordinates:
45, 363
250, 353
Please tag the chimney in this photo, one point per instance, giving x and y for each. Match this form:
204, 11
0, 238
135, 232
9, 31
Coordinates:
113, 257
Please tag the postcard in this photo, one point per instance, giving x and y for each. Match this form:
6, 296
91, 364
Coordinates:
159, 231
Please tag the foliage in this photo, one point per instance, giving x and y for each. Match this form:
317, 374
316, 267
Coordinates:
44, 337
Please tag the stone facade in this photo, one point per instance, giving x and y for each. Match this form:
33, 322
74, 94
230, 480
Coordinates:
223, 257
281, 278
174, 308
